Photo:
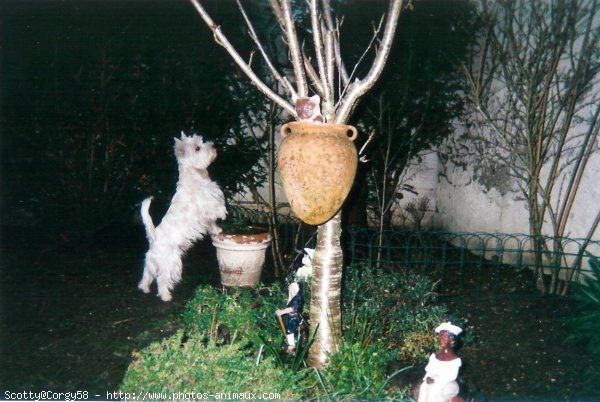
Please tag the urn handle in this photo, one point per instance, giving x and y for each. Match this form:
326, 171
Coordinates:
351, 132
354, 134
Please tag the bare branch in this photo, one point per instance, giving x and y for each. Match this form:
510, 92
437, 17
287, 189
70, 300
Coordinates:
318, 45
222, 40
358, 87
278, 13
586, 150
284, 82
328, 106
313, 76
327, 15
333, 31
362, 56
294, 47
343, 73
362, 149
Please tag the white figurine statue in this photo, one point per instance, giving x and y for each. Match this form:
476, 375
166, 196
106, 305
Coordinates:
304, 273
439, 383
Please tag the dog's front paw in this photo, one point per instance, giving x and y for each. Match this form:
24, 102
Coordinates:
215, 230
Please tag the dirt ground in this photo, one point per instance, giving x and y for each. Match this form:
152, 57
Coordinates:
72, 318
517, 353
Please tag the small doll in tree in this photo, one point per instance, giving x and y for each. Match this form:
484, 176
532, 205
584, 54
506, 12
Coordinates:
308, 109
293, 311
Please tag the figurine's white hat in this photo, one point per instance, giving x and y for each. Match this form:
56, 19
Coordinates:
293, 290
448, 326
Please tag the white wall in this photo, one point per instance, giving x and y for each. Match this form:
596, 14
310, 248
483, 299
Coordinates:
422, 175
465, 205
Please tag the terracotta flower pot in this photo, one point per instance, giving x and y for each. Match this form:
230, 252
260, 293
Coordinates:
241, 256
317, 164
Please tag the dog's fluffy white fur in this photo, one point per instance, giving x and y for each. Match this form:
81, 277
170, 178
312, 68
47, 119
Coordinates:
193, 213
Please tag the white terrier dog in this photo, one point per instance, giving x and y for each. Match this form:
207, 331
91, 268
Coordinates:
194, 210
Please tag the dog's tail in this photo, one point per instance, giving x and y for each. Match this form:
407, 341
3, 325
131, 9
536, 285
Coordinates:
147, 219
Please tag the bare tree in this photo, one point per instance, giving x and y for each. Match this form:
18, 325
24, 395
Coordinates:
323, 71
535, 87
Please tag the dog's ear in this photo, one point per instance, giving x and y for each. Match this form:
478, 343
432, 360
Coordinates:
179, 148
183, 136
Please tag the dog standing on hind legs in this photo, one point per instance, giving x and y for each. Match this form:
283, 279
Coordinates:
193, 213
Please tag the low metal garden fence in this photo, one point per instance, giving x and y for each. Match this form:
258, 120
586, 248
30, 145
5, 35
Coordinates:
474, 264
491, 263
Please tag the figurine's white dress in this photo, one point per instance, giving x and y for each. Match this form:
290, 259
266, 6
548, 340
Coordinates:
444, 375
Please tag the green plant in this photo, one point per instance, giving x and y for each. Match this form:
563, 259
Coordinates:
357, 370
239, 225
184, 364
220, 347
584, 324
234, 336
295, 362
417, 210
242, 314
399, 307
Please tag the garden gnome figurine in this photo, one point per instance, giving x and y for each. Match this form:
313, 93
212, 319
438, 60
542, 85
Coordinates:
293, 310
439, 383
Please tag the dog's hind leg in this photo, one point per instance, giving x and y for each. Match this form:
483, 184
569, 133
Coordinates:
167, 279
147, 278
145, 283
164, 290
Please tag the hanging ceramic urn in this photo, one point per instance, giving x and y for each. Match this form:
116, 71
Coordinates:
317, 164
